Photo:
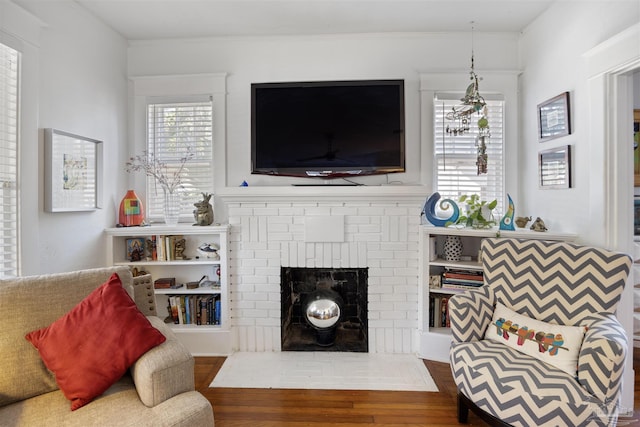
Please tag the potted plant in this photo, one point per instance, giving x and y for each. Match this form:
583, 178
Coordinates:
477, 213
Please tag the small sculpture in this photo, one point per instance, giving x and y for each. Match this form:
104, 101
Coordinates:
209, 250
507, 220
429, 210
203, 213
538, 225
180, 247
522, 221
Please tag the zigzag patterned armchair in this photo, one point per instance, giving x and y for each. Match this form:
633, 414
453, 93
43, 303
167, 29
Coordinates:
513, 339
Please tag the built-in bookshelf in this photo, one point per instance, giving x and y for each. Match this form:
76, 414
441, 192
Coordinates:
440, 278
190, 265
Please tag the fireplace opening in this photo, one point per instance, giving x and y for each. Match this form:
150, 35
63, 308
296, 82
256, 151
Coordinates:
324, 309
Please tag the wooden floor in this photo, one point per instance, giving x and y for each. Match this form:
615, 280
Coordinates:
315, 408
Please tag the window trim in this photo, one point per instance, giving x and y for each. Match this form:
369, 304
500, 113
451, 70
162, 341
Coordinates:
145, 88
503, 82
152, 187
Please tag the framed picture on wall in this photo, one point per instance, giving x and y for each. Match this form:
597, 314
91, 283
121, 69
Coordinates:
73, 172
554, 118
636, 148
554, 168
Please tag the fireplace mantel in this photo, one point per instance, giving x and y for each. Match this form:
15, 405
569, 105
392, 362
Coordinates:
313, 193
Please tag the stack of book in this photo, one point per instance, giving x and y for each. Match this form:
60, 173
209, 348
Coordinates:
166, 248
461, 280
195, 309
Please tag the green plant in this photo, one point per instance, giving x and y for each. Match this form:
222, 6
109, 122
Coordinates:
477, 213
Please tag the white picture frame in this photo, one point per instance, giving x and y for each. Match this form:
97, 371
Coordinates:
73, 172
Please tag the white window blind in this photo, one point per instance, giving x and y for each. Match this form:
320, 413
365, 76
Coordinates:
175, 129
9, 97
455, 157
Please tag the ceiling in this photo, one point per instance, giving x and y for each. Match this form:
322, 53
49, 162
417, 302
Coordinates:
162, 19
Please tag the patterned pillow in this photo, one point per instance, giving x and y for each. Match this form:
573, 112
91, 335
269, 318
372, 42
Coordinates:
557, 345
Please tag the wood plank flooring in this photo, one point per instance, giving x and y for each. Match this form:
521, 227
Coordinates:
315, 408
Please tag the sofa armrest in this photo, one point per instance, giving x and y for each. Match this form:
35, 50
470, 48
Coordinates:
470, 314
164, 371
602, 356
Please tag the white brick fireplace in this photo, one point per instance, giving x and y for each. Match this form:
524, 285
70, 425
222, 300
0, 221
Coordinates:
301, 227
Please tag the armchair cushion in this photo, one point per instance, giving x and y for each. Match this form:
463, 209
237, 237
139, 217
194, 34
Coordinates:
557, 345
470, 314
507, 384
92, 346
601, 358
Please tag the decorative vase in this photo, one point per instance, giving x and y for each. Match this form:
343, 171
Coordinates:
171, 207
452, 248
131, 211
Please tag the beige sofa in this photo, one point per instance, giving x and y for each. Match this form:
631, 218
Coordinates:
157, 391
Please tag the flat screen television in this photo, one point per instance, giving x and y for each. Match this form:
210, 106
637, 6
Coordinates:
327, 129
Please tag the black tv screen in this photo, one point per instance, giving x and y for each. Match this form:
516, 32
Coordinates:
327, 129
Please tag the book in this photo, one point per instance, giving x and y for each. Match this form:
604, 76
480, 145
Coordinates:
434, 314
174, 309
182, 310
203, 311
463, 275
459, 283
432, 305
135, 249
444, 312
154, 249
160, 248
217, 310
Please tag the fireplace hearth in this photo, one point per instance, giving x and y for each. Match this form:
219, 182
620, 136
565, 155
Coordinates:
324, 309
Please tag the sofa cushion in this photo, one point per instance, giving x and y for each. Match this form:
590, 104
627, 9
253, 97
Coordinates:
28, 303
119, 406
558, 345
93, 345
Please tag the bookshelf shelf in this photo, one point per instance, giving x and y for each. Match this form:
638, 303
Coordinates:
176, 262
183, 291
203, 339
435, 339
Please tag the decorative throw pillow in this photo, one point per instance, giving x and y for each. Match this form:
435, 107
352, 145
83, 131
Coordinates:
93, 345
557, 345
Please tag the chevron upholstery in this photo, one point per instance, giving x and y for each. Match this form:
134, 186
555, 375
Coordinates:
554, 282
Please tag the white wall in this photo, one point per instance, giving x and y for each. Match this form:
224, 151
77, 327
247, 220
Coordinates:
341, 57
552, 63
636, 90
82, 89
557, 61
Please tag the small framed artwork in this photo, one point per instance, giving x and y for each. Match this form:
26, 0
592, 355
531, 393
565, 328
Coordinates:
135, 249
554, 118
435, 281
636, 148
73, 172
554, 168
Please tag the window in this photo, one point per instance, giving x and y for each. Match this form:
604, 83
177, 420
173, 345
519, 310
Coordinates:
9, 97
455, 170
176, 130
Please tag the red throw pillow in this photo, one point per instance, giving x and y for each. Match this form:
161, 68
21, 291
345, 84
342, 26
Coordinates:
93, 345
